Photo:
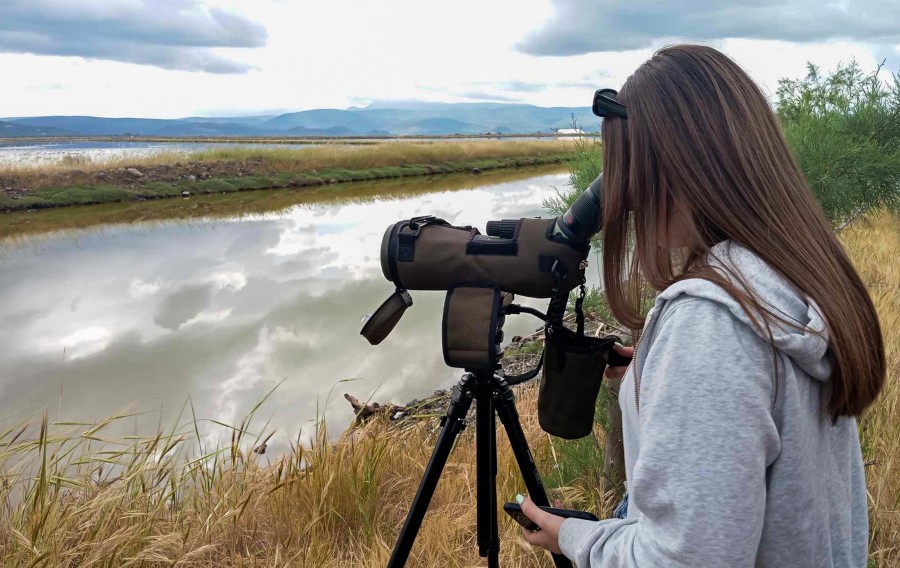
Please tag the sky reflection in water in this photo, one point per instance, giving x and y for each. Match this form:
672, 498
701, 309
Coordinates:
223, 311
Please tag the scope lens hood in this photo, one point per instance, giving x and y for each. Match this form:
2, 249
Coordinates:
388, 254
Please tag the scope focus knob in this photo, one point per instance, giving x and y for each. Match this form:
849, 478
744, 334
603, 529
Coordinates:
505, 228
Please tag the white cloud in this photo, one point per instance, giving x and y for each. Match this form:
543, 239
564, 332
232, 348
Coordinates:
171, 34
584, 26
141, 288
343, 52
228, 280
84, 342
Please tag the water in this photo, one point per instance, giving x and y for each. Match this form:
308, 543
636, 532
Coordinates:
223, 310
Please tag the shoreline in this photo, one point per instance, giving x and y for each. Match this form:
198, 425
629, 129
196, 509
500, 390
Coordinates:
25, 224
85, 182
51, 197
289, 140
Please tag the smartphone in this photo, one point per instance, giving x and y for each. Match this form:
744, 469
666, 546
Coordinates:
514, 510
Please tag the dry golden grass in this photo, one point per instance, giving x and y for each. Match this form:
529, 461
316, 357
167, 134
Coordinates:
386, 154
301, 159
98, 502
73, 498
873, 246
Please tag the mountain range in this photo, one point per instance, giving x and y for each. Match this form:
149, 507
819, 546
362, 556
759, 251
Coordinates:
15, 130
381, 118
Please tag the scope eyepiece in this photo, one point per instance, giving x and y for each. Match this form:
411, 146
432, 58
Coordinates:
505, 228
578, 225
584, 219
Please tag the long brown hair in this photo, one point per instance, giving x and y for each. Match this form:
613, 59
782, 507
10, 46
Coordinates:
701, 147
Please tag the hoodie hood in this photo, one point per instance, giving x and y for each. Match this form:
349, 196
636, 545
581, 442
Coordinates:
805, 346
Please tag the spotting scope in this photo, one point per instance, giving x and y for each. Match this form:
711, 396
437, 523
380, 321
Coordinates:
427, 253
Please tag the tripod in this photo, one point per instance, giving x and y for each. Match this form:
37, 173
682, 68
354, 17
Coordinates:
493, 397
473, 319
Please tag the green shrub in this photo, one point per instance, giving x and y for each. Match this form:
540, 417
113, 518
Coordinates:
844, 130
585, 165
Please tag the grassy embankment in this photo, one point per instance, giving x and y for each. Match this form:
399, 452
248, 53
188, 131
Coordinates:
158, 502
77, 181
23, 225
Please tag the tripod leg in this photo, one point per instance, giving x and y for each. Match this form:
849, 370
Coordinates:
452, 424
506, 410
486, 459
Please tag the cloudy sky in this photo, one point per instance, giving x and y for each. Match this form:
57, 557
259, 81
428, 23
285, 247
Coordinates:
173, 58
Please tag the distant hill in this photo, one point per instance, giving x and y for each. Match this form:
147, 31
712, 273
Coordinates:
179, 128
244, 120
332, 131
421, 118
322, 119
401, 118
13, 130
96, 126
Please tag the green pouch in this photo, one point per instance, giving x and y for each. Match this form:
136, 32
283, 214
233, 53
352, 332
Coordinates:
573, 370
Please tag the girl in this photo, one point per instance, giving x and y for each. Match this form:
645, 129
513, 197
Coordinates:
739, 407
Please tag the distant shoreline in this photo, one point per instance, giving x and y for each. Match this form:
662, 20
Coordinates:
167, 175
289, 140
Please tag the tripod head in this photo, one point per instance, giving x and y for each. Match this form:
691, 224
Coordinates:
472, 329
472, 326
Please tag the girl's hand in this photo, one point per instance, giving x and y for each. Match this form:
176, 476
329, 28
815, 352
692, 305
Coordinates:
548, 536
619, 372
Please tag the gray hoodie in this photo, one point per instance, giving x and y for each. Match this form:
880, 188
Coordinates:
726, 467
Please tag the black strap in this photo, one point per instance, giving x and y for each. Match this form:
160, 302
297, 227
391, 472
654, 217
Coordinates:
579, 312
557, 308
527, 375
554, 315
407, 240
554, 318
406, 246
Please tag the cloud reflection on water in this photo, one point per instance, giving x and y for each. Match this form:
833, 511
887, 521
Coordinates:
224, 311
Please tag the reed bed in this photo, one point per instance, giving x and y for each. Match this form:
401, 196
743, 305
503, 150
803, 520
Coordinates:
386, 154
872, 244
73, 496
297, 159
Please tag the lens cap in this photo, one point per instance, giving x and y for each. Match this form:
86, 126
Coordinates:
380, 324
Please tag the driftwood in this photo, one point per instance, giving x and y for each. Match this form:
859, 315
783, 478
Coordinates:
364, 411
